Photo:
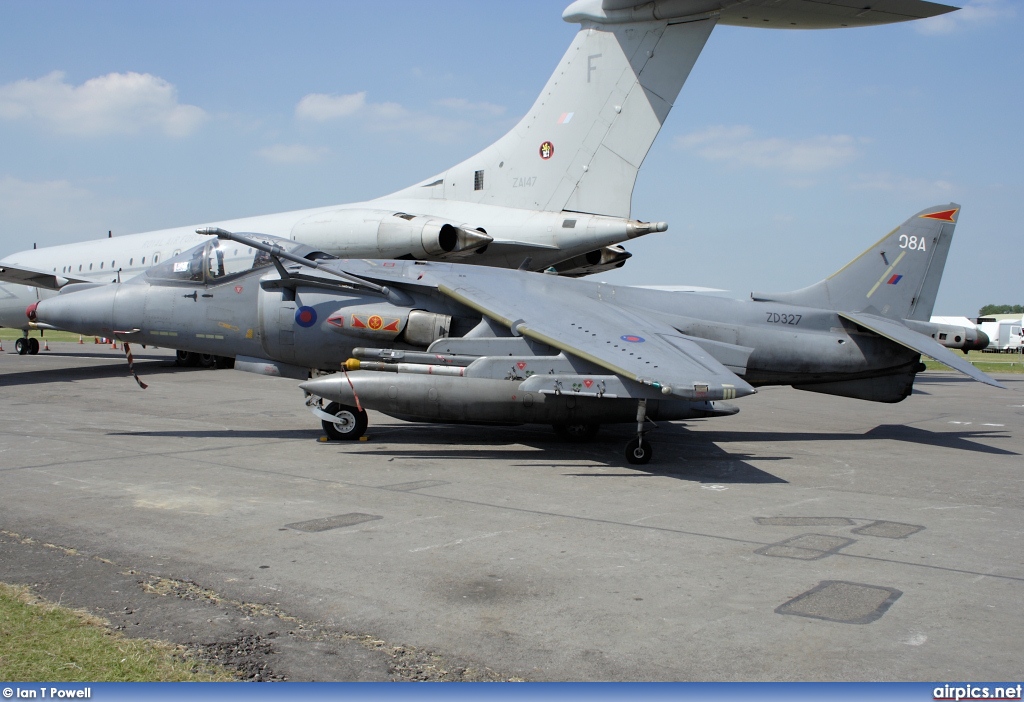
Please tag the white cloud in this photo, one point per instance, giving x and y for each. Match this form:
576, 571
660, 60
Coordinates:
974, 13
320, 107
291, 153
117, 103
917, 188
738, 146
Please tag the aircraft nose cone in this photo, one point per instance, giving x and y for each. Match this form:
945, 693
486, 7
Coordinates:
86, 312
982, 341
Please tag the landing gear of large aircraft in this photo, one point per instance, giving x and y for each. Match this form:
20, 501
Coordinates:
349, 425
27, 346
187, 359
577, 432
639, 450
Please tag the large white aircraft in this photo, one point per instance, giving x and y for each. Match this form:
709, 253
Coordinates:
554, 192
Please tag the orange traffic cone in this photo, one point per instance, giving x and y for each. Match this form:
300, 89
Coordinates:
1, 344
46, 346
95, 340
80, 339
113, 343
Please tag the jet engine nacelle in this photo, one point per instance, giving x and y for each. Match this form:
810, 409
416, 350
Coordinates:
596, 261
394, 234
952, 336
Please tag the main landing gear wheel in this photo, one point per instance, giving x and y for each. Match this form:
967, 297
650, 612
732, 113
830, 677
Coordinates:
21, 346
577, 432
186, 359
349, 425
33, 346
638, 451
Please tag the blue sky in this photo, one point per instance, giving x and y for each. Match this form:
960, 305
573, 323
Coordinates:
786, 154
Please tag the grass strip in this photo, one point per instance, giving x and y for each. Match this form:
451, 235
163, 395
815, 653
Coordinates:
51, 335
44, 642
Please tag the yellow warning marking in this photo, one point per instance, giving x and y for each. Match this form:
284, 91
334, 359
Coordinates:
248, 334
887, 272
225, 325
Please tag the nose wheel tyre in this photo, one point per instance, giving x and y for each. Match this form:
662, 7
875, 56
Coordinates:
350, 423
639, 452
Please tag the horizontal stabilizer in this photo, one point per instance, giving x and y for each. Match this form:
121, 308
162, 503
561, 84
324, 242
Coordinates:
768, 14
34, 278
894, 331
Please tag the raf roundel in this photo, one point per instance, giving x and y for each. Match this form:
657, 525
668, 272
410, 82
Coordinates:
633, 338
305, 316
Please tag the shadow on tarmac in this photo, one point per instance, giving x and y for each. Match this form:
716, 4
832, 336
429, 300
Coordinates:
118, 367
679, 453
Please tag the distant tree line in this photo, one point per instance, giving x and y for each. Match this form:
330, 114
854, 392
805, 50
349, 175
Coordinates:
1000, 309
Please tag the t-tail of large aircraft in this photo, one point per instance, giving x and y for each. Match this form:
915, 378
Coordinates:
580, 146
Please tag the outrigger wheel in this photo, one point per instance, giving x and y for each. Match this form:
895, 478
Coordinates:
638, 451
349, 425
